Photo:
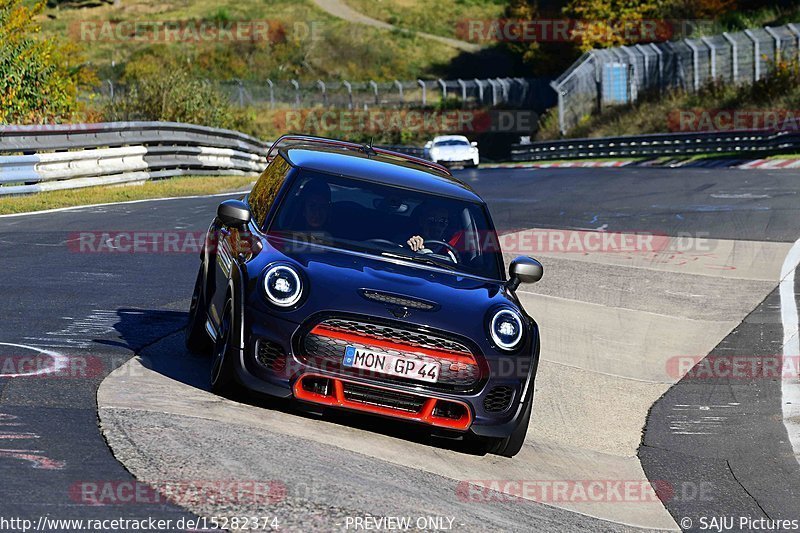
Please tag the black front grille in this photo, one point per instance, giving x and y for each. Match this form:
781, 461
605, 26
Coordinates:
395, 299
326, 352
271, 355
403, 336
498, 399
383, 397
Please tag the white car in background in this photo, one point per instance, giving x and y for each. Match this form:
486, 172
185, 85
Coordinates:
451, 150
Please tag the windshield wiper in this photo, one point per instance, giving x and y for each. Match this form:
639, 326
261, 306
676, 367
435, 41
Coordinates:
422, 258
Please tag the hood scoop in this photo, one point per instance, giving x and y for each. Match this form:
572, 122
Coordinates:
399, 300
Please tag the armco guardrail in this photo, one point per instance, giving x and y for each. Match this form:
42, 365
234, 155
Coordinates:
666, 144
69, 156
416, 151
52, 157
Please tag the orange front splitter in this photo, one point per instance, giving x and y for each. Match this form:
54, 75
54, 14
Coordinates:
335, 397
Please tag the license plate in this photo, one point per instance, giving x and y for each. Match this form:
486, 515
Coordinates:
392, 365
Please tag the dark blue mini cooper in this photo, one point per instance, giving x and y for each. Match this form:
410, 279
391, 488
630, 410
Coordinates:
356, 278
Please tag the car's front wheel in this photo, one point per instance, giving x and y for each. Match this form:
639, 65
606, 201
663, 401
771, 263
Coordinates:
195, 334
222, 371
511, 445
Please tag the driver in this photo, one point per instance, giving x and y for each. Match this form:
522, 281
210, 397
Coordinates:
433, 221
315, 199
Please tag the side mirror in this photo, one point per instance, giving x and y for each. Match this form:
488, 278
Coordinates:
524, 269
234, 213
428, 144
474, 144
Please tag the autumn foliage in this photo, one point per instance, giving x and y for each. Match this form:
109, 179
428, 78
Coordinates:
39, 79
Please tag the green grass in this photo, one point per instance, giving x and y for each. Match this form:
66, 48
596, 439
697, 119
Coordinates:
303, 42
183, 186
439, 17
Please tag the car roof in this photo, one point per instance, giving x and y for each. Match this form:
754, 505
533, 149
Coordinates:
379, 169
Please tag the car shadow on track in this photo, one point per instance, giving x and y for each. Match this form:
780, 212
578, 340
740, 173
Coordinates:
156, 336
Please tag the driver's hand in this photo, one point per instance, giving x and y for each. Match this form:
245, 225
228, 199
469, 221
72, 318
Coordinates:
416, 243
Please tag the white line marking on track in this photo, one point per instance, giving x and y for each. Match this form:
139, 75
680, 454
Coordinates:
59, 361
75, 207
790, 387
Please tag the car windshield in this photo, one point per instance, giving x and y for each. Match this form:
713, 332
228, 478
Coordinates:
452, 142
389, 221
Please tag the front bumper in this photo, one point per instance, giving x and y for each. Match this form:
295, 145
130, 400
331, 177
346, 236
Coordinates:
490, 407
454, 161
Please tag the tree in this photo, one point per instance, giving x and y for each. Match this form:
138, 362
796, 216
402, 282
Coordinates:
604, 23
39, 77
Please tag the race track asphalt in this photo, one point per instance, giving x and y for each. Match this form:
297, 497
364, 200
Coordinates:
99, 309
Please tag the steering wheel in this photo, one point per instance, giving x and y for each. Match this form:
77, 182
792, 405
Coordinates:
442, 244
385, 242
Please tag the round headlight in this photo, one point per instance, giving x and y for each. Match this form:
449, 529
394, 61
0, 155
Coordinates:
283, 285
506, 329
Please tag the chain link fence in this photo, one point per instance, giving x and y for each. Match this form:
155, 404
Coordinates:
620, 75
518, 93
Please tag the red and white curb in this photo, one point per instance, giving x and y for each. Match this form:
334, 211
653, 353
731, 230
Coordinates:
771, 164
562, 164
756, 164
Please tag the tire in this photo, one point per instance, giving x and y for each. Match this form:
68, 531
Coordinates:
195, 335
223, 379
511, 445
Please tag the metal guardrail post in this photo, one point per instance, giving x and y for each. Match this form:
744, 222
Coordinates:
240, 88
756, 53
349, 88
777, 42
271, 94
794, 30
494, 90
646, 59
463, 92
792, 27
695, 63
633, 81
676, 58
399, 90
296, 92
110, 89
734, 56
375, 89
322, 88
560, 95
504, 88
444, 89
479, 83
598, 82
424, 99
660, 60
713, 52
